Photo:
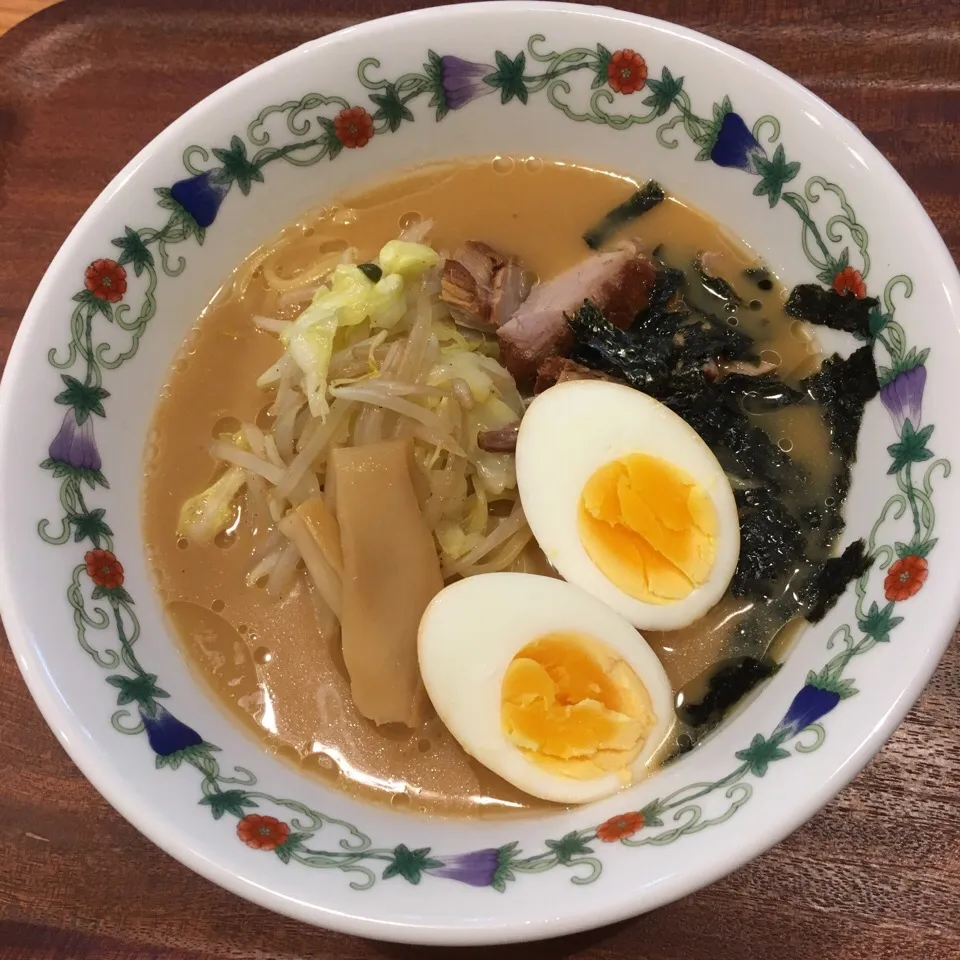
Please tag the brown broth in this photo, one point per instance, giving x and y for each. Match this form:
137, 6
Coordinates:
264, 660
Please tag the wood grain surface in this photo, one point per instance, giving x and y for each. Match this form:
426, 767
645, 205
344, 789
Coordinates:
83, 85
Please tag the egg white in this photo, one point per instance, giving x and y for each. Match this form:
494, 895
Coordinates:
574, 428
470, 633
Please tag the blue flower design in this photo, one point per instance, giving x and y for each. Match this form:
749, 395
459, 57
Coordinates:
735, 145
463, 81
200, 196
75, 445
807, 707
170, 739
477, 869
903, 396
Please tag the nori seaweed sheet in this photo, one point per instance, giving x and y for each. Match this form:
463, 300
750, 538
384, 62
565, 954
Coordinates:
646, 198
842, 387
729, 682
662, 347
827, 308
829, 582
771, 543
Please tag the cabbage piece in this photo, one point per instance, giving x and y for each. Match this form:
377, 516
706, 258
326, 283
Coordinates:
454, 541
310, 343
407, 259
208, 513
496, 472
465, 365
349, 299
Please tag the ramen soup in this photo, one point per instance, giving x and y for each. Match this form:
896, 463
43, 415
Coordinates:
497, 485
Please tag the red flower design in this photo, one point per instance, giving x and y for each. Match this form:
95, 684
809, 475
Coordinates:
621, 827
626, 71
262, 833
354, 127
905, 578
849, 280
104, 569
106, 280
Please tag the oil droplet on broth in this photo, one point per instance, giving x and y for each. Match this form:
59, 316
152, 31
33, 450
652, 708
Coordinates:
502, 164
262, 655
225, 427
771, 356
533, 164
408, 220
320, 764
265, 418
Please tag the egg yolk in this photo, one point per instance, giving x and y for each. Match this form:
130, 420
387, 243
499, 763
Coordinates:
649, 527
574, 707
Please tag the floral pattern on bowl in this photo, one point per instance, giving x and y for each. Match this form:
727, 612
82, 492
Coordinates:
452, 83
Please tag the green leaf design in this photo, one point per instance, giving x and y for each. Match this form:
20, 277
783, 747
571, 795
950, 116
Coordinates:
133, 251
236, 166
141, 689
94, 304
433, 70
410, 864
878, 321
662, 94
604, 56
84, 398
90, 526
197, 755
180, 218
761, 753
774, 175
720, 110
569, 846
923, 548
878, 623
911, 448
651, 814
506, 855
827, 680
92, 478
391, 108
508, 77
228, 801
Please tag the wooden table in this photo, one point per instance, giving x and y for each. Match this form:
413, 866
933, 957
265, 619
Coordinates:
876, 875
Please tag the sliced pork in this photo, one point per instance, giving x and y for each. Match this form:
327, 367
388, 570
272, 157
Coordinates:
482, 287
619, 283
557, 369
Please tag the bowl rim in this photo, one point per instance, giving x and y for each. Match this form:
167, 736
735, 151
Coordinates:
113, 788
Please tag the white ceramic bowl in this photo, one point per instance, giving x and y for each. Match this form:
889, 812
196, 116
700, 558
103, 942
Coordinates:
717, 127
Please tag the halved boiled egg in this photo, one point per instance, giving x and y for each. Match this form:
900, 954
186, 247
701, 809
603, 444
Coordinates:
544, 685
627, 501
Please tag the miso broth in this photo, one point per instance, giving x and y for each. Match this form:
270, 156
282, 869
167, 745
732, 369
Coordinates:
264, 659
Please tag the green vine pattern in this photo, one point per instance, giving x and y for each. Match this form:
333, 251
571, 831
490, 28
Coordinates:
105, 331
